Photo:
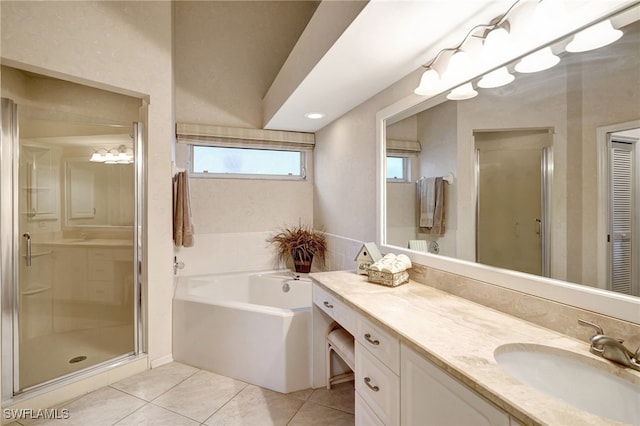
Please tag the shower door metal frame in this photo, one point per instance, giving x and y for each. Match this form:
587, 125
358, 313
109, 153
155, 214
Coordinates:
10, 256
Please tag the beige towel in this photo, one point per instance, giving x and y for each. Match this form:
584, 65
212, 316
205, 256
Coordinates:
438, 213
182, 224
426, 197
431, 204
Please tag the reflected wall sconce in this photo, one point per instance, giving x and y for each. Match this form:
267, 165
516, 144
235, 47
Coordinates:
540, 60
497, 78
594, 37
120, 155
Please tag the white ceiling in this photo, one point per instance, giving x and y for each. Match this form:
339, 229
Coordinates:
386, 41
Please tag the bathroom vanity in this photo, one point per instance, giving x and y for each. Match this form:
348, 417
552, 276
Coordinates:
425, 356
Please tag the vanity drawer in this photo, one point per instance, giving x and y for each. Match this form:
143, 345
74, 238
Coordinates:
100, 270
99, 254
364, 413
382, 344
378, 386
337, 310
101, 291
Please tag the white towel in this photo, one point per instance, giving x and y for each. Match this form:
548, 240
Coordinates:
427, 197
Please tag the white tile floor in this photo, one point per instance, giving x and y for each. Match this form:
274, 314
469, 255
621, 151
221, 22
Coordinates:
176, 394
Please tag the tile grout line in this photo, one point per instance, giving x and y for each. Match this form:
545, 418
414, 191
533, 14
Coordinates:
134, 411
153, 399
127, 415
228, 401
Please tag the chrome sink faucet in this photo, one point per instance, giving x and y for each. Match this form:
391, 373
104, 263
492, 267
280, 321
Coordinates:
612, 349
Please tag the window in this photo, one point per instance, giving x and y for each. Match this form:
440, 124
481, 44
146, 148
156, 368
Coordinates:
214, 161
398, 169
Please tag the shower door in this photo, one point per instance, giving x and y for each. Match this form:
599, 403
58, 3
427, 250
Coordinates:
70, 301
513, 189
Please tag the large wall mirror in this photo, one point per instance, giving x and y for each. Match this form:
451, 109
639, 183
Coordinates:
540, 176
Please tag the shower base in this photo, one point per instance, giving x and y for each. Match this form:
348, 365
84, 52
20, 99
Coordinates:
47, 357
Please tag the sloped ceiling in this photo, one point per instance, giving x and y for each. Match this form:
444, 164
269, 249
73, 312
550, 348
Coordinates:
385, 41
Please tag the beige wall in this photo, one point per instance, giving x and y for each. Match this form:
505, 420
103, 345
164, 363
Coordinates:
125, 47
345, 195
219, 84
438, 140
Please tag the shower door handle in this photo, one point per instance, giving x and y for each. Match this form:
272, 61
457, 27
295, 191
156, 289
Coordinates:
27, 238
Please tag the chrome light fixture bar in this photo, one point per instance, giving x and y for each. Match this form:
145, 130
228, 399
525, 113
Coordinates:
496, 47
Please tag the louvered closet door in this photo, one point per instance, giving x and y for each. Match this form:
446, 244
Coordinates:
622, 213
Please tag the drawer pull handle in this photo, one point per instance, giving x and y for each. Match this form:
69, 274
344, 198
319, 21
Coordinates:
375, 342
328, 305
367, 381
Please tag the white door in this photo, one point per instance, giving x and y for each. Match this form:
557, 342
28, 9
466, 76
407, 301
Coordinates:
623, 226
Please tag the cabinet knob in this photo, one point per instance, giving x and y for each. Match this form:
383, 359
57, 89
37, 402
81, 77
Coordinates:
328, 305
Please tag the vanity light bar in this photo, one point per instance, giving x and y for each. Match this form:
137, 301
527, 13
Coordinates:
496, 37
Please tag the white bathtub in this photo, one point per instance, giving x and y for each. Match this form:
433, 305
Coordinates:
254, 327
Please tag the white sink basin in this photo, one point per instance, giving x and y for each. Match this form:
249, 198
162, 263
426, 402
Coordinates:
598, 387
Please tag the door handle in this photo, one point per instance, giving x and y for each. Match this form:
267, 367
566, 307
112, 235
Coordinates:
27, 238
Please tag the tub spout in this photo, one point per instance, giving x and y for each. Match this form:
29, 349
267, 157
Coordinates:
177, 265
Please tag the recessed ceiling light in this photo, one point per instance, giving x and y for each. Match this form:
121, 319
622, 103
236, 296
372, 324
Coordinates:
314, 115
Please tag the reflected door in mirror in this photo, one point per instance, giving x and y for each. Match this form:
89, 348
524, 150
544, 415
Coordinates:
510, 199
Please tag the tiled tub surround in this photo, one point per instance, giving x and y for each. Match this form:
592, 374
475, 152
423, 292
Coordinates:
460, 337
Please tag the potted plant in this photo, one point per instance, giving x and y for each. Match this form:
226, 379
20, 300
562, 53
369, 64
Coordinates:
301, 243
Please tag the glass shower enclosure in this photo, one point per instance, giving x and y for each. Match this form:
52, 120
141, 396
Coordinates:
69, 244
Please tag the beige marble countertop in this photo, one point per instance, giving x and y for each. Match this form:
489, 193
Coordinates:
461, 336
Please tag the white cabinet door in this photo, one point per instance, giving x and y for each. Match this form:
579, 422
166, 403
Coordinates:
432, 397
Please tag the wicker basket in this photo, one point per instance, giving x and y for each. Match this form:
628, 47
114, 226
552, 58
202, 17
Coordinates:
387, 278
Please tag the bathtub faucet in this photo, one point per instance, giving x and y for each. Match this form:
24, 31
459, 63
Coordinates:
295, 276
177, 265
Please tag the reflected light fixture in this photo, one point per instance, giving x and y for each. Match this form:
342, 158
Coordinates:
314, 115
594, 37
540, 60
463, 92
96, 157
120, 155
497, 78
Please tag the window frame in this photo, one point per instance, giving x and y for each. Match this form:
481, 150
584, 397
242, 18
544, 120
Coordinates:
256, 176
406, 168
